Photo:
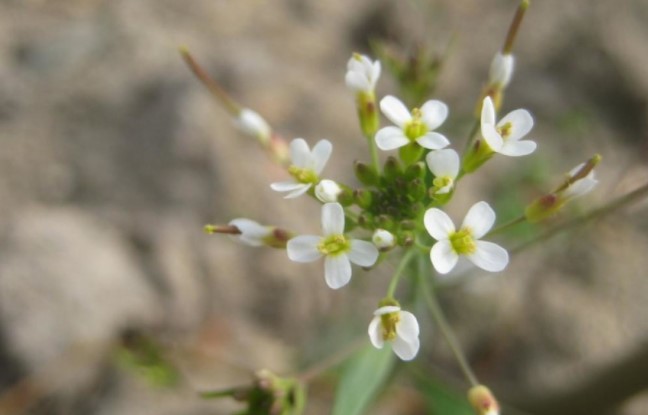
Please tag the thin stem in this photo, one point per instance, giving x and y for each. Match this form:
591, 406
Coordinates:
220, 393
471, 138
604, 210
375, 160
210, 83
515, 26
399, 271
446, 330
507, 225
330, 361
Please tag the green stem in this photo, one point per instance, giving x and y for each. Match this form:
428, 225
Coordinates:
220, 393
399, 271
471, 138
507, 225
329, 362
375, 160
442, 322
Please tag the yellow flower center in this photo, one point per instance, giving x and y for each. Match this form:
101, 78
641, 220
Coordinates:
302, 175
389, 322
505, 130
442, 181
334, 245
416, 127
463, 242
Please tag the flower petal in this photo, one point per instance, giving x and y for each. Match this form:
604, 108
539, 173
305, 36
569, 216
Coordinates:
395, 110
488, 112
479, 219
300, 154
443, 163
518, 148
375, 333
303, 248
433, 141
390, 138
357, 81
252, 232
375, 74
320, 156
298, 192
332, 219
386, 309
489, 256
521, 123
406, 350
337, 271
580, 187
443, 257
408, 327
438, 224
434, 113
363, 253
492, 137
287, 186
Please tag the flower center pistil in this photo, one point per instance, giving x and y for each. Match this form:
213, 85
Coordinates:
389, 322
334, 245
302, 175
463, 242
505, 130
416, 127
441, 182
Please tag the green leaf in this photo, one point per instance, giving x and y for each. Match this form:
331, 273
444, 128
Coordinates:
363, 377
442, 400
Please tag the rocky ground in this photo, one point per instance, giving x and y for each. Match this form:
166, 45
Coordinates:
113, 157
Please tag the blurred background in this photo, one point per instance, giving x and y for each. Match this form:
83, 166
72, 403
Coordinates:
113, 157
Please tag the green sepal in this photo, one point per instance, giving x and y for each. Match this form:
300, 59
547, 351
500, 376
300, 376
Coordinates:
415, 171
416, 190
411, 153
478, 154
363, 198
392, 169
366, 174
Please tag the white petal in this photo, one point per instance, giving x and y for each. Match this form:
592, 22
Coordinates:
253, 124
383, 239
252, 233
479, 219
406, 350
408, 327
357, 81
492, 137
434, 114
375, 333
395, 110
327, 191
521, 123
489, 256
580, 187
332, 219
337, 271
320, 156
375, 74
501, 69
298, 191
576, 169
433, 141
386, 309
300, 154
288, 186
488, 112
443, 257
438, 224
518, 148
443, 163
304, 248
363, 253
390, 138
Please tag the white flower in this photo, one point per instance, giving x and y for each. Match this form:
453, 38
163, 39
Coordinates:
501, 69
306, 167
505, 136
327, 191
452, 243
416, 126
362, 74
580, 186
338, 250
383, 239
252, 233
399, 327
444, 164
253, 124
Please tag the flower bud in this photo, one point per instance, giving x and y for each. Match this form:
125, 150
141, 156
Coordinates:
363, 198
384, 240
253, 124
392, 169
501, 70
483, 401
327, 191
366, 174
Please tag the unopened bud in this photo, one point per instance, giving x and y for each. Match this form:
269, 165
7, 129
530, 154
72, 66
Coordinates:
384, 240
392, 169
366, 174
501, 70
253, 124
483, 401
363, 198
327, 191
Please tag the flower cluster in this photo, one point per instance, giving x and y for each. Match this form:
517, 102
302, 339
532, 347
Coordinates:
398, 206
